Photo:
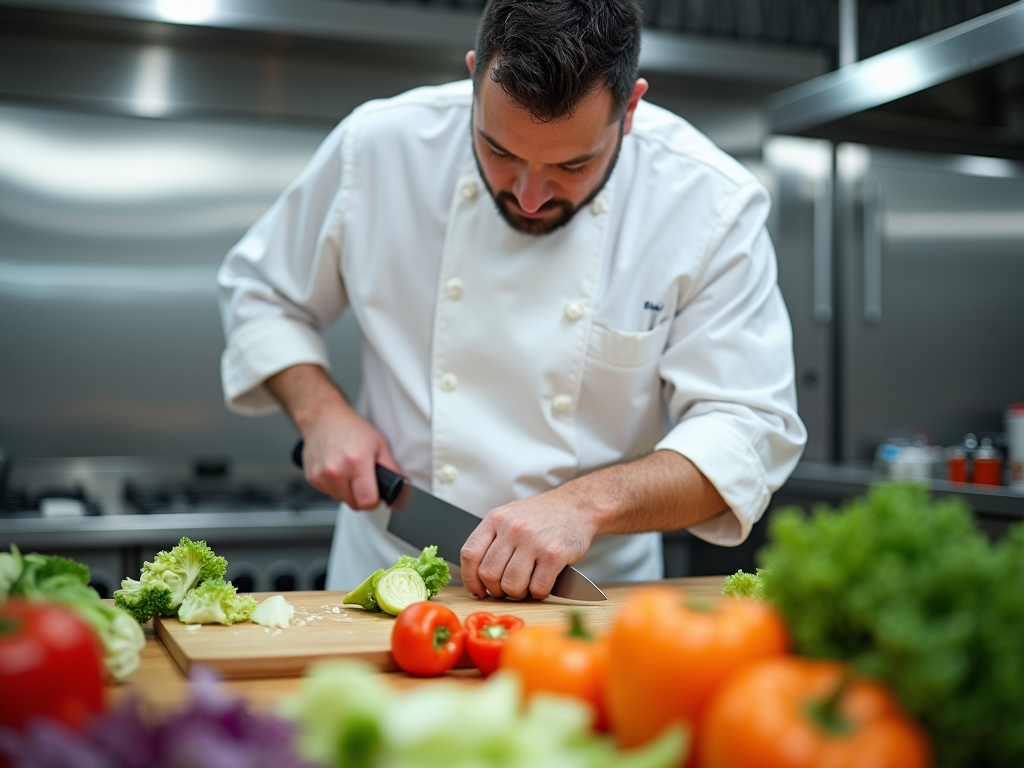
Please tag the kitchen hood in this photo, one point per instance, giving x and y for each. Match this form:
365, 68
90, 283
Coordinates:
960, 90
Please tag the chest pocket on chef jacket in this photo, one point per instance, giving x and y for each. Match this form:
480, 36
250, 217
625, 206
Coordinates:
624, 349
622, 391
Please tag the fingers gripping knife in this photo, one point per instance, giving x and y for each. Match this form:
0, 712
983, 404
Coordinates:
423, 520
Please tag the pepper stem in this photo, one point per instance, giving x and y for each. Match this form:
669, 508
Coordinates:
494, 631
576, 628
825, 713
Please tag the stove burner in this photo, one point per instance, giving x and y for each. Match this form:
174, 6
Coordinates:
203, 496
16, 502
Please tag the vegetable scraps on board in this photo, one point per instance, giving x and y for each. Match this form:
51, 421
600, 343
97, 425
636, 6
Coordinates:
911, 593
44, 579
408, 581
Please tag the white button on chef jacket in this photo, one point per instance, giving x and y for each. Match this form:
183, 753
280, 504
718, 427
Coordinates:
673, 269
454, 289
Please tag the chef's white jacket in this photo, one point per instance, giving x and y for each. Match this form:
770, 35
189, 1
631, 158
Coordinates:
497, 364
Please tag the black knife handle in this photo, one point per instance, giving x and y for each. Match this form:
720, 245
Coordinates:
389, 484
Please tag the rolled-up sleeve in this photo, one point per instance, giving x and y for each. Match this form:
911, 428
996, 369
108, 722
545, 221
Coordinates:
281, 285
729, 373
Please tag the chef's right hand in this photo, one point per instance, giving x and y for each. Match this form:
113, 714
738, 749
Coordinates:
341, 447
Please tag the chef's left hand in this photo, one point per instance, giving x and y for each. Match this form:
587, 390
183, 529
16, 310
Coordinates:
520, 548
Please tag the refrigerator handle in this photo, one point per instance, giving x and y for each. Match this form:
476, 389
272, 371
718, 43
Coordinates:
872, 251
822, 258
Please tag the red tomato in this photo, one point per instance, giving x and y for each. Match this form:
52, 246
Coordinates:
669, 652
51, 665
427, 639
485, 638
785, 713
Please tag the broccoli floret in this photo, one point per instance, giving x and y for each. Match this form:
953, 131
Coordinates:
215, 602
742, 584
184, 567
432, 568
143, 601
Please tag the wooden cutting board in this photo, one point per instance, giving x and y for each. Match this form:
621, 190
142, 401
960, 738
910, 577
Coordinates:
323, 628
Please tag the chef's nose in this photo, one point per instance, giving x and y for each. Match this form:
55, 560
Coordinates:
532, 189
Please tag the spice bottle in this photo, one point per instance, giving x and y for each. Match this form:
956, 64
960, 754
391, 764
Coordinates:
988, 464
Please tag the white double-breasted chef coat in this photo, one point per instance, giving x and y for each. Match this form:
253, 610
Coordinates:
498, 364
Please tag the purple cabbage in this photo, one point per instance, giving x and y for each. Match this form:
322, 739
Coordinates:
212, 731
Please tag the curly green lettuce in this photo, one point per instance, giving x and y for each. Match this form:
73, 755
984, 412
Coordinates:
908, 589
742, 584
215, 601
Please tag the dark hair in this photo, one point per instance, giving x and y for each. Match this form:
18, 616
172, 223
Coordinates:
547, 55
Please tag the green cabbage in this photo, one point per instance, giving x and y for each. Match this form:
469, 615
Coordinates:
430, 569
347, 715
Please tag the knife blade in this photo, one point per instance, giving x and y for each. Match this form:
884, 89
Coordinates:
422, 520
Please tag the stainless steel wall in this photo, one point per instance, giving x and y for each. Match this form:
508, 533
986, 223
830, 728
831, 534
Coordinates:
111, 232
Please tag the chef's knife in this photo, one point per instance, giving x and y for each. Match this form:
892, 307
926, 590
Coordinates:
423, 520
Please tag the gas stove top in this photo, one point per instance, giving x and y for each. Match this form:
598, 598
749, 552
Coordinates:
77, 487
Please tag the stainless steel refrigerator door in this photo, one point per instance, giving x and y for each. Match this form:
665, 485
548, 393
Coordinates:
799, 173
931, 294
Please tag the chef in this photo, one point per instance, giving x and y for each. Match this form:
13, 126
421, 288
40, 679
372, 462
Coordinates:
570, 319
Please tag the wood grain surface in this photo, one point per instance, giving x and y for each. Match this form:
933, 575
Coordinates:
324, 628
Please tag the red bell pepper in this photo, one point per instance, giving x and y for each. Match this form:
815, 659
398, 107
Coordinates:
485, 638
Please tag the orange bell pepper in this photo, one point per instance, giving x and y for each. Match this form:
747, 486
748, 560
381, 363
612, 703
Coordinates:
569, 663
668, 653
791, 712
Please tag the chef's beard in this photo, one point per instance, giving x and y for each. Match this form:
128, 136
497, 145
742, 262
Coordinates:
506, 202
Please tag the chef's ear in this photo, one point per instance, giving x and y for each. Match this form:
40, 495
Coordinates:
471, 62
638, 91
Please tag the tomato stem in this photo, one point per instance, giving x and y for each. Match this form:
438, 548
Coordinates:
441, 636
825, 713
